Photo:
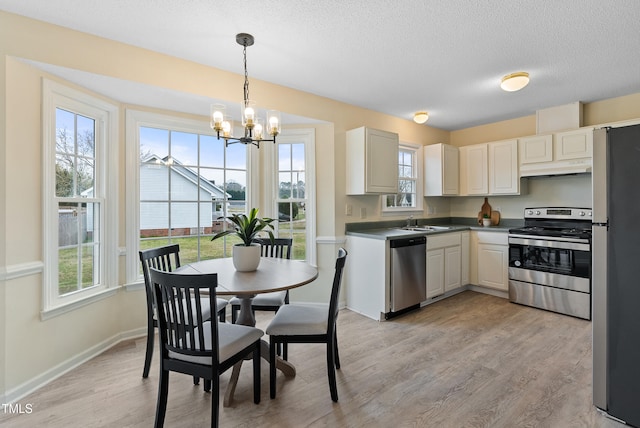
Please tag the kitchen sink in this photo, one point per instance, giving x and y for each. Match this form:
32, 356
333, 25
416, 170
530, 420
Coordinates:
425, 228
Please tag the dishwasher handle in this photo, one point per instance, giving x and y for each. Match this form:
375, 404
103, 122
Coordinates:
408, 242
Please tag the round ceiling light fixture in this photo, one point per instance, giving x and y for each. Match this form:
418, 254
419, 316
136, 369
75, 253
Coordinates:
421, 117
514, 81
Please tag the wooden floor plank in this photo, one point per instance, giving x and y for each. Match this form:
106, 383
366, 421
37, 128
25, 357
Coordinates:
472, 360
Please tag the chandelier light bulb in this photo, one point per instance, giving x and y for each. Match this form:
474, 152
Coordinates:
254, 127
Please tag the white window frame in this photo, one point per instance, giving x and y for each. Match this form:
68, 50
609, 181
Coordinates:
56, 95
134, 120
306, 136
417, 167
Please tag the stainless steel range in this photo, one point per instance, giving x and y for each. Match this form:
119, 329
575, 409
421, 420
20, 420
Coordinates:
550, 261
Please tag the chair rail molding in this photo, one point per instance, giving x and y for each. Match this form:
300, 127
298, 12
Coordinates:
331, 239
20, 270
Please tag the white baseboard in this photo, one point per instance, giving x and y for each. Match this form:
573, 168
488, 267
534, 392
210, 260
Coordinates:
15, 394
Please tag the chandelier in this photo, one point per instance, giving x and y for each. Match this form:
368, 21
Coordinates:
254, 128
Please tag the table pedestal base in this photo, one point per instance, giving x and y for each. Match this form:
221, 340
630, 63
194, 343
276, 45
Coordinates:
285, 367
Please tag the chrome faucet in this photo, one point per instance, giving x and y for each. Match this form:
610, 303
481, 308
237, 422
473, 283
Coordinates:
409, 220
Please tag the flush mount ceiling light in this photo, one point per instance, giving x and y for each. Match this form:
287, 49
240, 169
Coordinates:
253, 125
515, 81
421, 117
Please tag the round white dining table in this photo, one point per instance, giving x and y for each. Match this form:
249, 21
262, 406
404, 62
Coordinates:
273, 274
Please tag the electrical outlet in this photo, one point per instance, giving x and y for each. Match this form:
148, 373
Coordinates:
348, 209
497, 209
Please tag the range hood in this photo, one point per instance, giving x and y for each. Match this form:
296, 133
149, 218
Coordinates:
578, 166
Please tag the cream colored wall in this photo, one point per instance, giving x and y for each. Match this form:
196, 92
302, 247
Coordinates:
57, 341
88, 328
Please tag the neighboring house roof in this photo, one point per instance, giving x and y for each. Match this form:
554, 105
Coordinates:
189, 174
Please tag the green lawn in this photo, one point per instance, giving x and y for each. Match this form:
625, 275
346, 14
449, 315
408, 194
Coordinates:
190, 247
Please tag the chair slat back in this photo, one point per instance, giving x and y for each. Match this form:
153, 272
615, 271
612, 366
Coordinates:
335, 288
180, 322
165, 258
279, 248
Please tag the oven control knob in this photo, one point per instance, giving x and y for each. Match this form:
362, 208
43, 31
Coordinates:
582, 214
529, 212
537, 212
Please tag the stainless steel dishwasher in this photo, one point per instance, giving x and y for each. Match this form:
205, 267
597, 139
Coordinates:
408, 273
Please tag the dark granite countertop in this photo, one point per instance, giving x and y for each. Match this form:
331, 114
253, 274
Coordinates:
392, 229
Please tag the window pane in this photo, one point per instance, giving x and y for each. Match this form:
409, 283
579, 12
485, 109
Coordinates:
78, 246
407, 186
89, 258
85, 177
184, 148
154, 181
154, 142
64, 177
85, 136
183, 203
284, 185
237, 156
211, 151
284, 157
291, 185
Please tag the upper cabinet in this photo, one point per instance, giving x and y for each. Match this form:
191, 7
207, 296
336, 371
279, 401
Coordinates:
490, 169
371, 161
503, 168
574, 144
560, 153
441, 170
474, 177
536, 149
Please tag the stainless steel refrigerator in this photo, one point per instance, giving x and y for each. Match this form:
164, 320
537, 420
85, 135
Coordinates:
616, 272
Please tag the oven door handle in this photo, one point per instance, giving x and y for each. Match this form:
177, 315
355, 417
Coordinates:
518, 240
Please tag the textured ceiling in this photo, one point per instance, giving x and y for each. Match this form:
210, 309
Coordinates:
396, 57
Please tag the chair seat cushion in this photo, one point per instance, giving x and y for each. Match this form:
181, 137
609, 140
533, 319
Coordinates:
232, 338
264, 299
299, 319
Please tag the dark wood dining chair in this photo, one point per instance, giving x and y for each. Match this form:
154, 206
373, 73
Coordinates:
165, 258
191, 345
306, 323
280, 248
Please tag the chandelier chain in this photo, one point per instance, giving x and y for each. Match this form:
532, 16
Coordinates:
246, 75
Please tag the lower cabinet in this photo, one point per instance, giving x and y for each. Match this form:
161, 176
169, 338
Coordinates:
444, 263
493, 260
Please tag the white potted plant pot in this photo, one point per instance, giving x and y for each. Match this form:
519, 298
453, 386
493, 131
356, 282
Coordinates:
246, 258
486, 222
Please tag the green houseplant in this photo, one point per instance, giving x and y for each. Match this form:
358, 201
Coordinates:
246, 255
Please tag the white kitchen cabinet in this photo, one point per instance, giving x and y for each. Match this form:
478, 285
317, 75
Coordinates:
538, 148
474, 177
441, 177
503, 168
465, 255
560, 153
435, 272
367, 279
444, 263
493, 260
575, 144
371, 161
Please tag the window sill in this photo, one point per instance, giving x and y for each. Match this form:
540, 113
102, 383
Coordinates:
401, 211
72, 306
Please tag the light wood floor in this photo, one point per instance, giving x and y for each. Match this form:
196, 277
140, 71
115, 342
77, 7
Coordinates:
472, 360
